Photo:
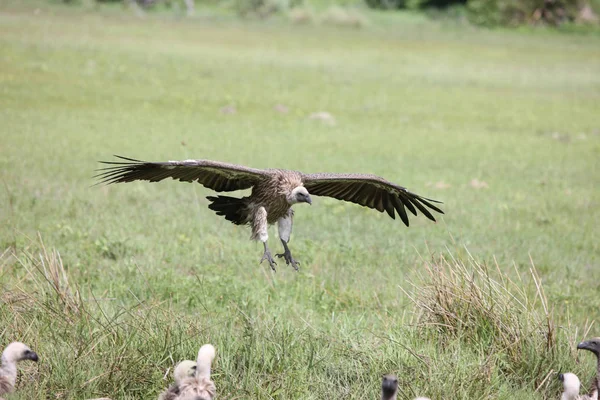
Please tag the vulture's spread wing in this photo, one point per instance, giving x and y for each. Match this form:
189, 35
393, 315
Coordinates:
370, 191
219, 176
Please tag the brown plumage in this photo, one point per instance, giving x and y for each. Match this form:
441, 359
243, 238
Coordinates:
13, 353
274, 191
593, 345
192, 380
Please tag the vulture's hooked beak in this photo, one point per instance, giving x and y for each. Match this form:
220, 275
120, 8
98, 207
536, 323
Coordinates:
308, 199
582, 346
590, 345
31, 355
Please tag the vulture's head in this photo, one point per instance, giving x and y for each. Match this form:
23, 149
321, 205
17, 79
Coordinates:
17, 351
184, 369
299, 195
389, 386
571, 385
592, 345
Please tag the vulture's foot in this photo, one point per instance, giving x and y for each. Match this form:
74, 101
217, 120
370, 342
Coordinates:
287, 255
267, 256
289, 259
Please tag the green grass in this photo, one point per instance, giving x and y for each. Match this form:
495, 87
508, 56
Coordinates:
153, 274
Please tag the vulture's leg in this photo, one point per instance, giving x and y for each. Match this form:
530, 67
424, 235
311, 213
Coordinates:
267, 256
260, 231
284, 225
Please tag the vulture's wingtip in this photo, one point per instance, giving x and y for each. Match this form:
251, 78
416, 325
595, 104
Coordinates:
127, 158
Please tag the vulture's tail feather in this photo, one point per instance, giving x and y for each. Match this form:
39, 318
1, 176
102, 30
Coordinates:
233, 209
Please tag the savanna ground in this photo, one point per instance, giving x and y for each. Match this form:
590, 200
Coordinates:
503, 127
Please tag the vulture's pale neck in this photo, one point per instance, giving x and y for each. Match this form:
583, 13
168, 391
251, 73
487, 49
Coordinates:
8, 369
206, 355
571, 386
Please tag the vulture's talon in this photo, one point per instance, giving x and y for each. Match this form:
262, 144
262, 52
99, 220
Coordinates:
267, 256
287, 255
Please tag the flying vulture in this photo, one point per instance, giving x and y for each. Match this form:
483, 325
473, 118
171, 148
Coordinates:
13, 353
274, 191
593, 345
193, 383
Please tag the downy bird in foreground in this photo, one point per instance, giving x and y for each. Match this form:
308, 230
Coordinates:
274, 192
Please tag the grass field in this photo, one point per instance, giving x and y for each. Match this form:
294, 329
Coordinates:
502, 127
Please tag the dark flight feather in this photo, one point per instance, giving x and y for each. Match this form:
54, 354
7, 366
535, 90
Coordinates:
370, 191
219, 176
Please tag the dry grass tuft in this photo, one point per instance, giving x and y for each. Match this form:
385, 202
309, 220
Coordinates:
46, 273
510, 320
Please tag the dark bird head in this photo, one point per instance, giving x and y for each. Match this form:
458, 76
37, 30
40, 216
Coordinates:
389, 386
17, 351
299, 195
592, 345
30, 355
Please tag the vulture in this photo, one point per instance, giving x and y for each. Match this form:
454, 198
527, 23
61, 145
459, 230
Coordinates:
571, 385
192, 382
274, 192
13, 353
593, 345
